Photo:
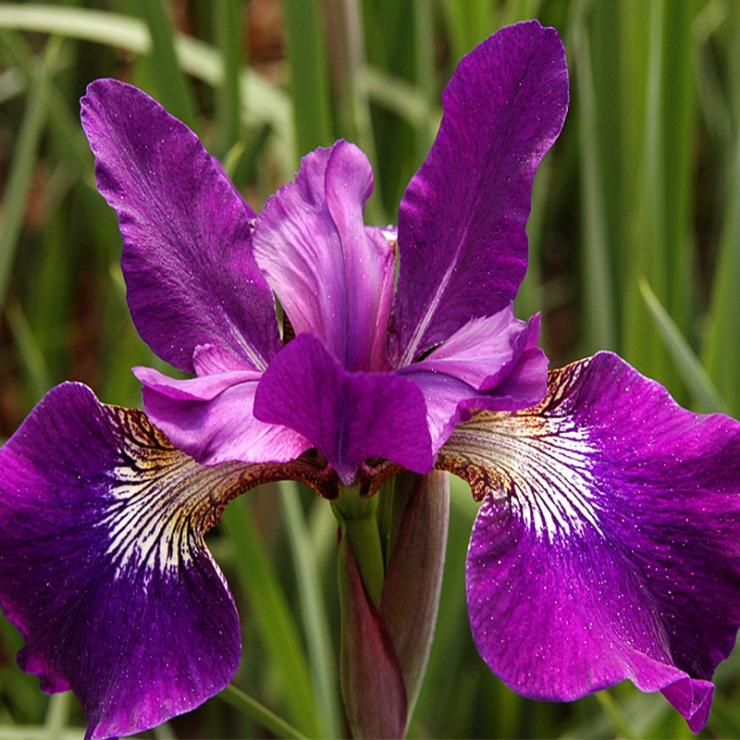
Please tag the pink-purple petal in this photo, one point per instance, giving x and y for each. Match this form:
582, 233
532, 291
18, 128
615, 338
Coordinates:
608, 544
461, 226
211, 417
333, 276
187, 258
492, 363
349, 416
103, 567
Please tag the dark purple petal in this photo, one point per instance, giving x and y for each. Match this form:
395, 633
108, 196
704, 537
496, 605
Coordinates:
461, 226
187, 257
334, 277
608, 544
348, 416
103, 567
492, 363
210, 417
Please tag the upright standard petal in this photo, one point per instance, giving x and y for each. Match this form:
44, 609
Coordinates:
187, 257
461, 226
349, 416
608, 543
103, 567
333, 276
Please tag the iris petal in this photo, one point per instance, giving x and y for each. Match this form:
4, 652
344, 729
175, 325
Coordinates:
349, 416
211, 418
187, 256
607, 544
461, 225
333, 276
103, 567
490, 363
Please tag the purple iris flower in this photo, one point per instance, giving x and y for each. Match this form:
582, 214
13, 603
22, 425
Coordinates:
607, 546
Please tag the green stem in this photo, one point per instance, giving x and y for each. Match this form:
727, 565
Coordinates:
260, 713
357, 517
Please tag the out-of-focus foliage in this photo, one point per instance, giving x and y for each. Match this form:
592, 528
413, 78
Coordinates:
635, 246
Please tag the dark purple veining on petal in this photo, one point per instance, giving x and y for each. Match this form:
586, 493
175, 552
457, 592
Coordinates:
187, 257
608, 545
461, 227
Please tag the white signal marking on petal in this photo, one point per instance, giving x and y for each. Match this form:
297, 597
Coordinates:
541, 465
161, 502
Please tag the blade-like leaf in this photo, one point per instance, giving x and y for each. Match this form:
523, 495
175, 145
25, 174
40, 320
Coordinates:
21, 166
274, 619
697, 381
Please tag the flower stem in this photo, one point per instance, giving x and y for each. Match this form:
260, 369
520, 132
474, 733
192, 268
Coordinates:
357, 517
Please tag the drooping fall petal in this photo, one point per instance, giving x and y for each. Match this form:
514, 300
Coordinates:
608, 543
103, 566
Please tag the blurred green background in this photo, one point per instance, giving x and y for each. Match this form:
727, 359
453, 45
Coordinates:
634, 238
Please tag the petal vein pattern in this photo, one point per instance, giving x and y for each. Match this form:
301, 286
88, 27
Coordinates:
541, 466
103, 565
608, 543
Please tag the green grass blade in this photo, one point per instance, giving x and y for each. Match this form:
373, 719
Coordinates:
57, 714
318, 635
468, 22
352, 90
402, 98
309, 78
649, 254
424, 74
228, 20
25, 152
722, 350
606, 61
694, 376
598, 301
172, 86
268, 104
260, 713
65, 127
38, 380
615, 714
278, 630
679, 118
